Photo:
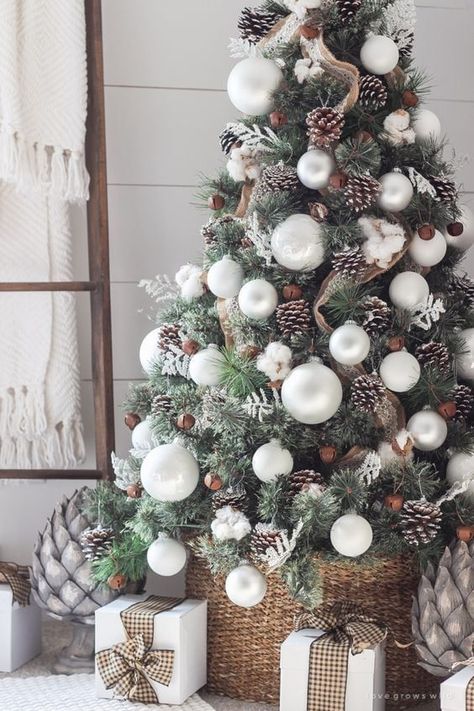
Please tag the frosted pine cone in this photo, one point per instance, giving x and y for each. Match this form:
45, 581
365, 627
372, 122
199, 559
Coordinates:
349, 262
324, 126
446, 190
264, 536
304, 480
435, 355
462, 288
464, 399
233, 496
361, 192
254, 23
228, 139
169, 337
420, 521
372, 92
378, 316
348, 10
161, 404
209, 231
277, 178
367, 392
293, 317
96, 542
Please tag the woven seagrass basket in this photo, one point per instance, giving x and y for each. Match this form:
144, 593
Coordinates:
244, 645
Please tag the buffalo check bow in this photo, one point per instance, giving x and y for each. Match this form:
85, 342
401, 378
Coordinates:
18, 578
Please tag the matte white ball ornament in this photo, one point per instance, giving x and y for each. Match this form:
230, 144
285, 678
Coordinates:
258, 299
246, 586
426, 125
166, 556
349, 344
400, 371
205, 367
408, 289
142, 436
149, 351
271, 460
427, 253
351, 535
465, 361
465, 240
379, 54
397, 192
311, 393
225, 277
428, 429
461, 467
251, 85
314, 169
297, 243
169, 473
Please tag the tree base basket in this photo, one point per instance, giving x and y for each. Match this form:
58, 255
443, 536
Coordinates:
244, 645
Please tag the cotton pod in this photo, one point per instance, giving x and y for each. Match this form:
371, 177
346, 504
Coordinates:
230, 524
275, 361
189, 279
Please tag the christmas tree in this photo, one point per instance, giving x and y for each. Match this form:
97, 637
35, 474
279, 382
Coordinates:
309, 385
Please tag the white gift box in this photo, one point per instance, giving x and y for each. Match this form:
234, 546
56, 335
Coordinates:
365, 690
20, 631
453, 690
182, 629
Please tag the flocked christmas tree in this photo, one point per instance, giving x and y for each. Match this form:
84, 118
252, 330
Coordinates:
309, 386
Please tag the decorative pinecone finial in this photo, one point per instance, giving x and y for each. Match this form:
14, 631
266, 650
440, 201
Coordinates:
349, 262
367, 392
434, 354
446, 190
293, 317
302, 481
234, 496
169, 337
378, 316
361, 192
254, 23
96, 542
161, 403
464, 399
348, 10
264, 536
372, 92
324, 126
420, 521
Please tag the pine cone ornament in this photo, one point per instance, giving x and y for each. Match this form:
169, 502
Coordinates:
234, 496
293, 317
264, 536
324, 126
161, 404
464, 399
462, 288
169, 337
254, 23
349, 262
361, 192
367, 392
348, 10
378, 316
302, 481
228, 139
372, 92
209, 231
405, 43
446, 190
96, 542
275, 179
434, 355
420, 521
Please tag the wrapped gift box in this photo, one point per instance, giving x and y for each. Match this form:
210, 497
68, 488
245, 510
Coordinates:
453, 691
365, 690
182, 629
20, 631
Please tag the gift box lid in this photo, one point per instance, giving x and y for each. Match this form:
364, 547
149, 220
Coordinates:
124, 601
295, 652
453, 690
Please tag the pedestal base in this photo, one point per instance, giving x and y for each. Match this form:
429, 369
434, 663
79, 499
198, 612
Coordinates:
78, 656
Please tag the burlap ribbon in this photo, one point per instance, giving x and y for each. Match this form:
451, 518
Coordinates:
347, 629
128, 666
18, 578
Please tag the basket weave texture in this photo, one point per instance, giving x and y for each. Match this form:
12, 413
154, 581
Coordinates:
244, 645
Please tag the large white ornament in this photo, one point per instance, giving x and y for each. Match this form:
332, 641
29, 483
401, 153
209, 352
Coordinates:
351, 535
225, 278
461, 467
465, 361
246, 586
408, 289
166, 556
169, 473
271, 460
297, 243
426, 125
142, 436
379, 54
251, 85
349, 344
397, 192
149, 351
311, 393
427, 253
466, 239
428, 429
258, 299
315, 168
400, 371
205, 367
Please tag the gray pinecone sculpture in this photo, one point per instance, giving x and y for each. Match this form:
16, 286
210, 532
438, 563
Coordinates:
61, 578
443, 611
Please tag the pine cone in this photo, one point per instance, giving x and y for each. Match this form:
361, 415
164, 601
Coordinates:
276, 178
228, 139
96, 542
264, 536
372, 92
324, 126
160, 404
464, 399
293, 317
462, 288
349, 262
234, 496
378, 316
367, 392
255, 23
169, 337
435, 355
408, 43
420, 521
209, 231
361, 192
348, 10
299, 481
446, 190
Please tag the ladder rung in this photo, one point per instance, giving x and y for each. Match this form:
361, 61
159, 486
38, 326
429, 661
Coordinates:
48, 285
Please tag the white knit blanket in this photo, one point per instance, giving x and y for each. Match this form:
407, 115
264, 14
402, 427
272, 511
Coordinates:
43, 99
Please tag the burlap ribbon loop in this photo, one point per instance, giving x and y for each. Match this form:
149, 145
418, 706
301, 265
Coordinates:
18, 578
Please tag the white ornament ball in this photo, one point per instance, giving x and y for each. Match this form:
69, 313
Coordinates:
297, 243
149, 351
246, 586
379, 54
315, 168
465, 240
205, 367
465, 361
142, 436
408, 289
169, 473
351, 535
427, 253
397, 192
311, 393
271, 460
251, 85
400, 371
225, 278
426, 125
166, 556
428, 429
258, 299
349, 344
461, 467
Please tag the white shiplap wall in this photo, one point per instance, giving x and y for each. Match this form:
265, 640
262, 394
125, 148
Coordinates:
166, 65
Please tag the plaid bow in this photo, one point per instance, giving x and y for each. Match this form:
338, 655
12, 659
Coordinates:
128, 666
470, 685
18, 578
348, 629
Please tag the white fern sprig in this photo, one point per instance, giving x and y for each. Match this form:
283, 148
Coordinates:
422, 185
277, 555
160, 289
427, 313
260, 239
258, 405
370, 468
240, 48
459, 487
125, 474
